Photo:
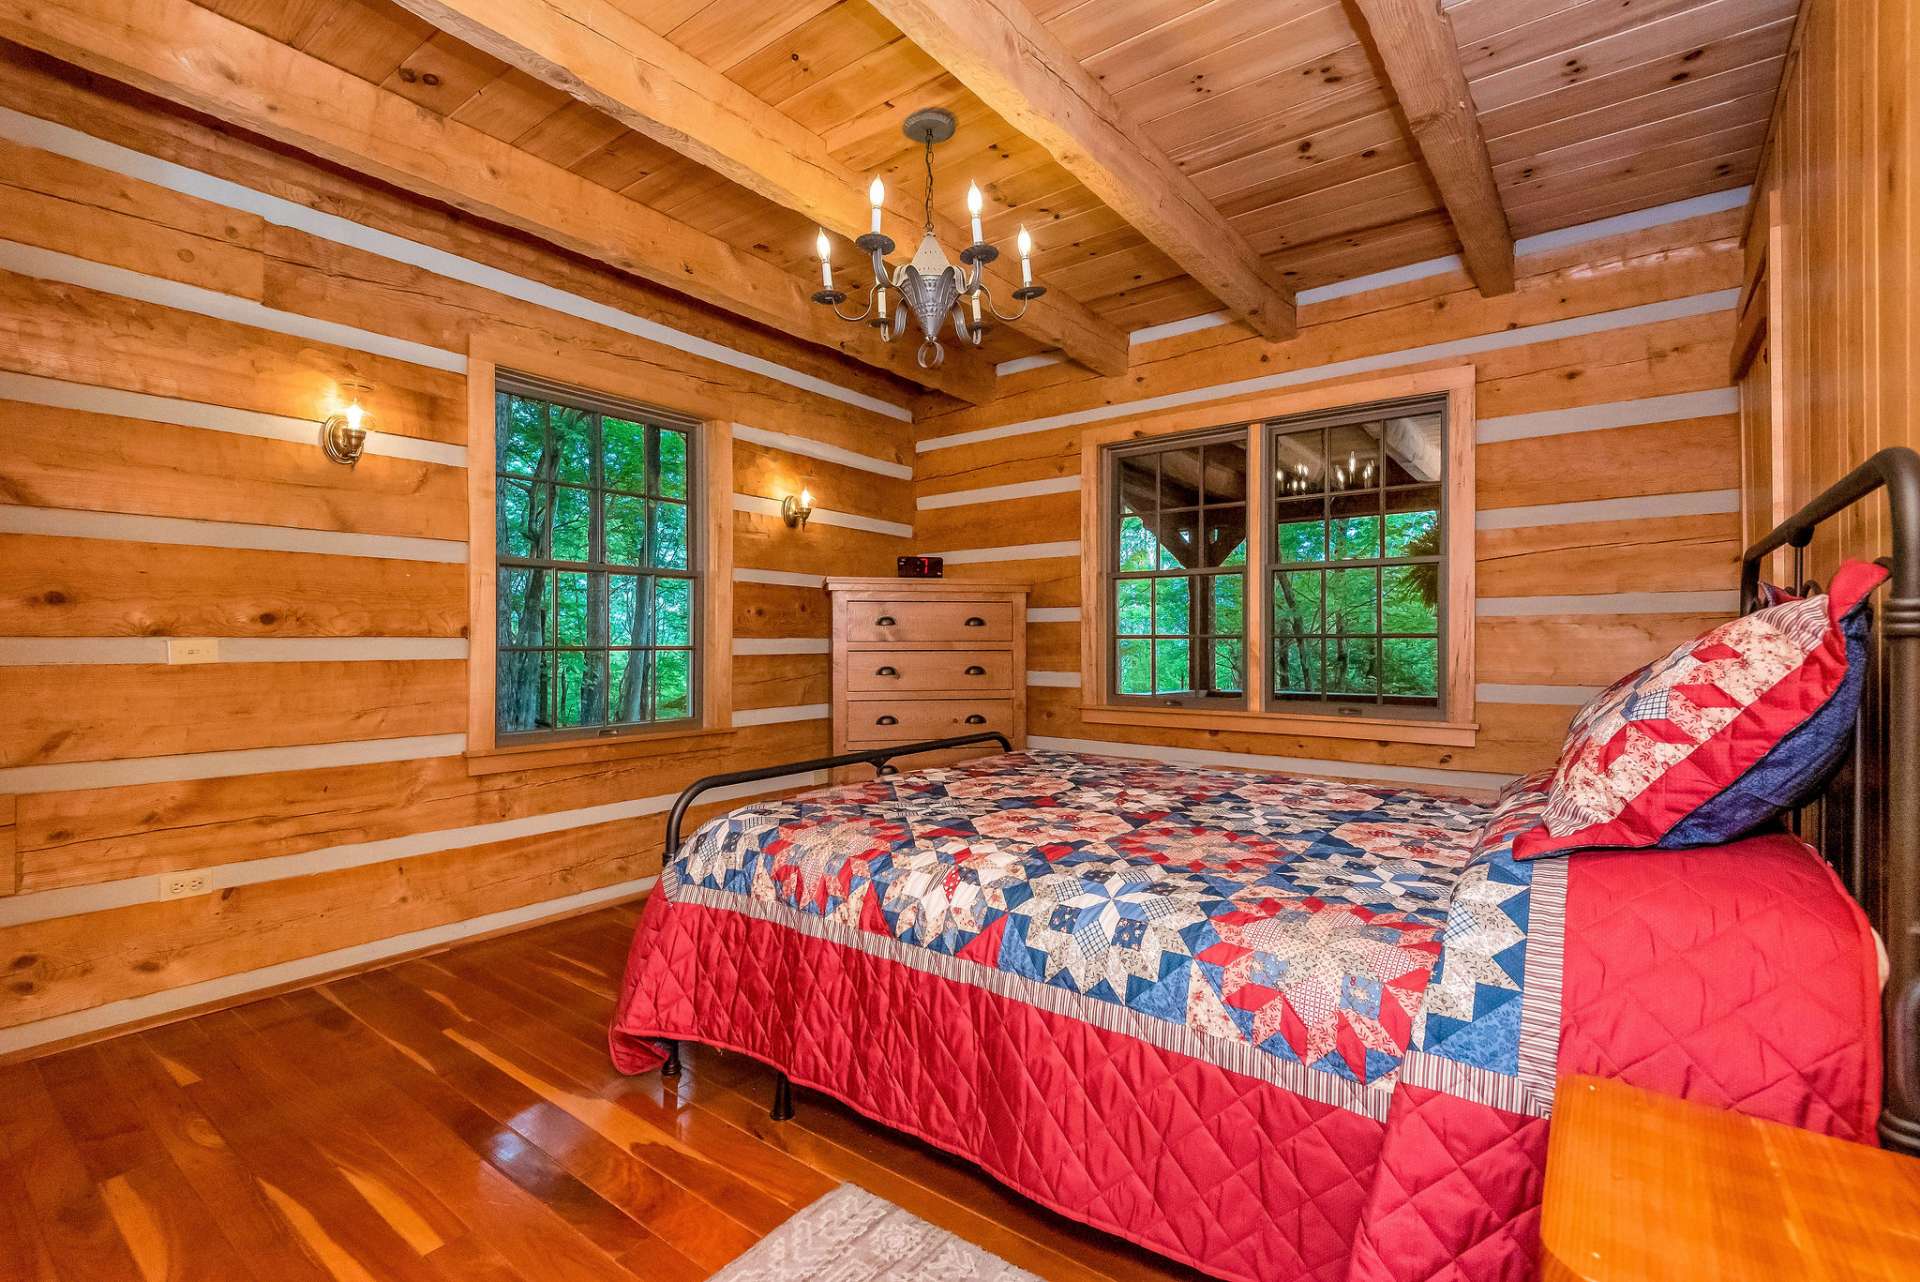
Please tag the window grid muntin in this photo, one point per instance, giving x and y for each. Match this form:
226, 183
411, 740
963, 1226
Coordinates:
1200, 644
1380, 701
654, 424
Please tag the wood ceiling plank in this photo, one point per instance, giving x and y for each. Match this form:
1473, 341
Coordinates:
509, 105
1687, 32
1547, 34
1705, 130
893, 73
627, 160
837, 37
1575, 201
1249, 181
1205, 69
625, 72
442, 74
259, 84
1089, 30
1324, 173
1010, 61
1664, 103
1375, 201
1602, 175
1289, 107
366, 39
730, 31
1214, 38
1663, 71
1416, 45
1377, 249
569, 135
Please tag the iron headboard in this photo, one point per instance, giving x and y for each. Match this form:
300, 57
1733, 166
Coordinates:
1866, 822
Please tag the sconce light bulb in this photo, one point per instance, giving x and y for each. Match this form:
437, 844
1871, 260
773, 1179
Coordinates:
821, 247
354, 415
806, 499
973, 198
1025, 242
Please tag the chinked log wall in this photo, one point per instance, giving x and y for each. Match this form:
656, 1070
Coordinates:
164, 357
1607, 476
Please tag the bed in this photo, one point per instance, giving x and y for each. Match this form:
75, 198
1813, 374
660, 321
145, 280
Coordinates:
1282, 1028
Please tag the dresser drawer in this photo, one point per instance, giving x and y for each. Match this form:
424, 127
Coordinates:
929, 621
870, 721
888, 671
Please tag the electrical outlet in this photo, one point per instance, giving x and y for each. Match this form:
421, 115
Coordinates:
180, 885
193, 650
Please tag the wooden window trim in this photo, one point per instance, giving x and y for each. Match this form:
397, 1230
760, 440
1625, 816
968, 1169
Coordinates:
1460, 727
484, 754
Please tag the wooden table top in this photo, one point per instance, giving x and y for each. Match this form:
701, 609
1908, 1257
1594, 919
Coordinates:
1643, 1187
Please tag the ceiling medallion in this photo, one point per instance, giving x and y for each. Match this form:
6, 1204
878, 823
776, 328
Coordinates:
929, 287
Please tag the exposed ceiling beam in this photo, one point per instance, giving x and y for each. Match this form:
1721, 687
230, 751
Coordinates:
1415, 44
1000, 51
191, 56
603, 56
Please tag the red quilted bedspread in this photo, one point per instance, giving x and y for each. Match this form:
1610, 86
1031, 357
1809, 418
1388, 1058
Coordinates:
1740, 976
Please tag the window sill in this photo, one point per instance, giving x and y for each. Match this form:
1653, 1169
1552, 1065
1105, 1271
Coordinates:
578, 752
1449, 734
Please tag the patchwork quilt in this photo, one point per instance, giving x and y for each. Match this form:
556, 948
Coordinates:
1274, 1027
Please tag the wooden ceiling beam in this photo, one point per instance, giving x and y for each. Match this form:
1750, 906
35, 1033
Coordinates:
999, 50
192, 56
601, 55
1414, 42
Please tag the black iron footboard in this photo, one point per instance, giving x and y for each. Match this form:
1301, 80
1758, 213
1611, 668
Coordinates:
1867, 822
880, 759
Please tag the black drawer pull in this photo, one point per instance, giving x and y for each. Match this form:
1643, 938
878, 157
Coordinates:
888, 720
886, 671
976, 720
976, 622
975, 670
885, 621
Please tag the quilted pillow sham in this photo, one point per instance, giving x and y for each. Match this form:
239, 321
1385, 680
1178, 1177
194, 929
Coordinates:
1719, 737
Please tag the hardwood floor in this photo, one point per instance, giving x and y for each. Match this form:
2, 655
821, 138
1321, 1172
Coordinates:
453, 1117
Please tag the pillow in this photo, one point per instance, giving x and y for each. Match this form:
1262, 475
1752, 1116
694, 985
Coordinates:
1719, 737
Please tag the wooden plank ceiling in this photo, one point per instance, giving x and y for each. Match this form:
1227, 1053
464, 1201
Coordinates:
1278, 110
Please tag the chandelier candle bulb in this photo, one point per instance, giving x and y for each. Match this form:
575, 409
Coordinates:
973, 212
876, 196
1025, 243
826, 260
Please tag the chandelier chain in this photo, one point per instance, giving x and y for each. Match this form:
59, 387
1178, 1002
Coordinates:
929, 154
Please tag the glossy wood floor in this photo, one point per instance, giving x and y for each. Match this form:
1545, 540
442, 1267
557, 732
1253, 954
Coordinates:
450, 1118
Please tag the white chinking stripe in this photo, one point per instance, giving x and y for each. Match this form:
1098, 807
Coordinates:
821, 450
46, 264
1643, 507
1013, 552
1499, 692
1021, 364
1638, 220
1609, 603
1174, 329
1053, 614
34, 390
1596, 418
780, 716
778, 578
132, 1010
999, 493
760, 506
45, 651
1057, 680
1380, 280
70, 901
1547, 331
225, 534
745, 646
180, 768
61, 140
1290, 765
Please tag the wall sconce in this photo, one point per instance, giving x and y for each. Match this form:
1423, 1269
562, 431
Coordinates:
344, 435
795, 509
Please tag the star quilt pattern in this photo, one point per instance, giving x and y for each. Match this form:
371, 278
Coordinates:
1288, 928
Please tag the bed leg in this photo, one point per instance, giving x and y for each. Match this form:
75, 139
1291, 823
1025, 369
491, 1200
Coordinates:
782, 1099
672, 1067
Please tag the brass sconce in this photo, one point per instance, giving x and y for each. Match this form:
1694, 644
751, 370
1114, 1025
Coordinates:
343, 437
795, 509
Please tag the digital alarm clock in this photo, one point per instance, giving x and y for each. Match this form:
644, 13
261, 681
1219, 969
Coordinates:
921, 567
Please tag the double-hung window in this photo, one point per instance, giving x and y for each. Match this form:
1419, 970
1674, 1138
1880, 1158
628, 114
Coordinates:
1309, 570
598, 591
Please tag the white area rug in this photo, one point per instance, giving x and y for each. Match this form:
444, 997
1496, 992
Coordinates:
852, 1236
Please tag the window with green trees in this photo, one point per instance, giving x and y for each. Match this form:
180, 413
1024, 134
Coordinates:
1357, 573
599, 588
1348, 507
1180, 586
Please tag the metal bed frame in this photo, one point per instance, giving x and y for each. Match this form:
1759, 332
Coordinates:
1865, 821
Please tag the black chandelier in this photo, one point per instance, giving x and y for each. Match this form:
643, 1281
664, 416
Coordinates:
929, 286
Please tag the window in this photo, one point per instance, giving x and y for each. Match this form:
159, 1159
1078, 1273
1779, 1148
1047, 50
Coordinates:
1356, 555
1307, 570
1180, 581
598, 595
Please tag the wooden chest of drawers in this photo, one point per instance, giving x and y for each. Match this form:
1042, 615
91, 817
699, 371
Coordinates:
927, 659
